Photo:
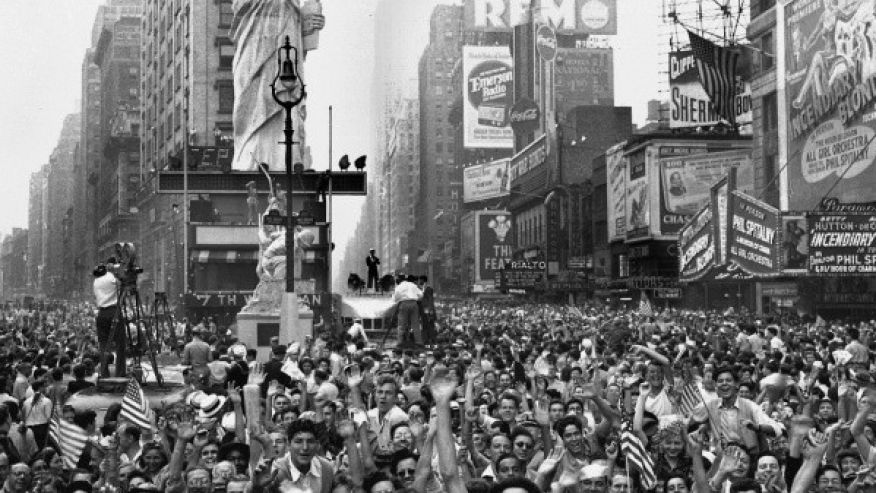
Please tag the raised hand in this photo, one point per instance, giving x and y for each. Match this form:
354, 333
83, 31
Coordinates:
443, 386
549, 464
611, 451
346, 429
479, 347
354, 376
185, 430
540, 413
417, 428
233, 393
587, 392
695, 443
473, 371
256, 375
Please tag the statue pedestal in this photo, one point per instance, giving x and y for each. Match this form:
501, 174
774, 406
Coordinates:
256, 329
269, 314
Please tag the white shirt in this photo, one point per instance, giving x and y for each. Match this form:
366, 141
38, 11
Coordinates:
312, 481
407, 291
383, 428
106, 290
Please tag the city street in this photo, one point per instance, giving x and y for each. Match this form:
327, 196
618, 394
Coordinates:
395, 246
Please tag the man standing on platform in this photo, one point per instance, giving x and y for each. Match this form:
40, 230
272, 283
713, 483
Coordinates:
106, 296
372, 261
427, 311
406, 297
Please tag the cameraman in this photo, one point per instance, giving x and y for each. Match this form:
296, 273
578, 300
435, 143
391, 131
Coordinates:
106, 295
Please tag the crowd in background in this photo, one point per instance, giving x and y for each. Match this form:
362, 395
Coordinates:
509, 397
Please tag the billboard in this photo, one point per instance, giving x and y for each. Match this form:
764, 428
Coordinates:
565, 16
489, 95
486, 181
495, 243
638, 211
753, 236
696, 246
584, 76
686, 182
616, 174
689, 105
842, 243
830, 79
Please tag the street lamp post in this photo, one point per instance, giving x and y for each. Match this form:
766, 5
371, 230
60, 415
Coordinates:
287, 76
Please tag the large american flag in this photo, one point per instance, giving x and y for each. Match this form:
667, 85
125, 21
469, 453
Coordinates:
717, 71
135, 406
70, 440
637, 455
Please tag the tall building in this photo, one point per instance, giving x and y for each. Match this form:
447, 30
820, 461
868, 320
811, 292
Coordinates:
186, 120
58, 277
438, 204
35, 226
117, 56
87, 167
13, 259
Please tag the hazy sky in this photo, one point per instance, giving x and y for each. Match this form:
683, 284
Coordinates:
44, 41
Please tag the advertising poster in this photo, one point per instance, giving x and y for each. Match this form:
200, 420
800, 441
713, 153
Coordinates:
689, 105
696, 248
566, 16
638, 213
753, 237
686, 183
795, 244
842, 244
489, 94
584, 76
720, 196
521, 275
616, 173
495, 247
830, 81
486, 181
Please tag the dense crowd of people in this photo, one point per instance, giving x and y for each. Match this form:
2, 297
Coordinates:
509, 398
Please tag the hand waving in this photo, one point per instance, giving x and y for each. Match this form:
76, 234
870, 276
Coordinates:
256, 375
346, 429
354, 376
549, 465
233, 393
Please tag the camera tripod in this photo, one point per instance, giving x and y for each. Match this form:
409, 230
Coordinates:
162, 321
128, 317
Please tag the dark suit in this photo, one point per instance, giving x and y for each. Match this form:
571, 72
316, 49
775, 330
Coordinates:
427, 315
372, 261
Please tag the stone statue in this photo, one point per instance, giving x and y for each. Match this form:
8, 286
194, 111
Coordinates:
272, 267
252, 203
258, 30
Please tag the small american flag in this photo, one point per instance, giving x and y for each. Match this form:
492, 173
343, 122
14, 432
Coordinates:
717, 70
688, 399
135, 406
637, 455
70, 440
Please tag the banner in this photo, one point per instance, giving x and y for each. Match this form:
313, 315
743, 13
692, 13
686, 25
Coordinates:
842, 244
696, 248
753, 237
495, 244
720, 194
584, 76
489, 87
689, 105
616, 173
486, 181
566, 16
638, 213
686, 183
521, 275
830, 82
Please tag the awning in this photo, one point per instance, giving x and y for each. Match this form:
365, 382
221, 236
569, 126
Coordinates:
224, 256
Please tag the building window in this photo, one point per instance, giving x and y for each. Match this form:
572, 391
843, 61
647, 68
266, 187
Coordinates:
226, 54
226, 96
770, 115
226, 14
768, 51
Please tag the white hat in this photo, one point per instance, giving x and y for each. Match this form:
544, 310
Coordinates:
593, 471
294, 348
211, 406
